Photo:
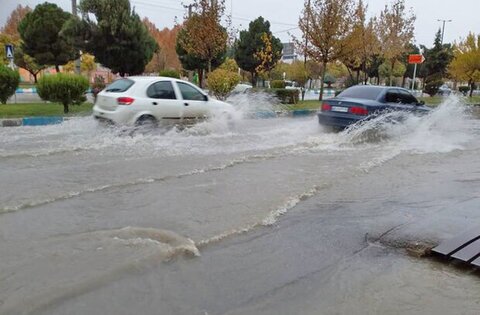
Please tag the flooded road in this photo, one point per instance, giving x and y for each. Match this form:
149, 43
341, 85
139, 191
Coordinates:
272, 216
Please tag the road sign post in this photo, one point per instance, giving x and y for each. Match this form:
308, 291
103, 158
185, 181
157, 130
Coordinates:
9, 54
415, 59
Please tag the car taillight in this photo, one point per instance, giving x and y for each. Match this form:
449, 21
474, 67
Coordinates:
358, 111
326, 107
125, 100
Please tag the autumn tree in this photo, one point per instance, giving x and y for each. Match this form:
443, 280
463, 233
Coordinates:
395, 31
40, 35
204, 37
87, 64
466, 63
257, 50
166, 56
193, 62
362, 44
11, 26
325, 25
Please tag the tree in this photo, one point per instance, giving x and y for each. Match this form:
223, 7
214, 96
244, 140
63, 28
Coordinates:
9, 80
26, 62
325, 25
438, 57
193, 62
40, 35
11, 26
87, 64
395, 31
116, 37
205, 37
362, 43
166, 56
466, 63
251, 48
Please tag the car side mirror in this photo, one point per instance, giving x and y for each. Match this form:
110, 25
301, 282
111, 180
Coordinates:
205, 98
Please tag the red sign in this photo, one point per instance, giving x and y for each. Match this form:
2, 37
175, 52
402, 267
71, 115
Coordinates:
412, 59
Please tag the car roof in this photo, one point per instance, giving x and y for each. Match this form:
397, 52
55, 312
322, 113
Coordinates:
150, 78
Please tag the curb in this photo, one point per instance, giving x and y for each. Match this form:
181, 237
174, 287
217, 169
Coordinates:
32, 121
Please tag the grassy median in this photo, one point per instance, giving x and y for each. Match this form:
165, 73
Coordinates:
42, 109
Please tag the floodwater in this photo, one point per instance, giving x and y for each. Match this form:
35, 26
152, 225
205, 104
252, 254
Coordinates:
271, 216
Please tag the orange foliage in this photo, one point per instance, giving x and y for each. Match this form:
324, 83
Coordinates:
11, 26
166, 57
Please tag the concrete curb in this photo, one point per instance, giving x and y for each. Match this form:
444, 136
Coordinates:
32, 121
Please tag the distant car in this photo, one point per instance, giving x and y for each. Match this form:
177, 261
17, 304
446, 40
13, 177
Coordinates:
241, 88
444, 90
153, 100
361, 102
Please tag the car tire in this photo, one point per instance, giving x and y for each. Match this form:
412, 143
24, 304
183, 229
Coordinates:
146, 121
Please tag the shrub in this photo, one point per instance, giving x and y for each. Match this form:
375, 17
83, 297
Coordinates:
170, 73
432, 84
464, 89
63, 88
288, 96
329, 80
222, 82
9, 80
277, 84
98, 85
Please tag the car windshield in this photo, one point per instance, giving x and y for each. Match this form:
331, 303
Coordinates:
363, 92
121, 85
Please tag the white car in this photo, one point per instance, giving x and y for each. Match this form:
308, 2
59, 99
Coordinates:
153, 100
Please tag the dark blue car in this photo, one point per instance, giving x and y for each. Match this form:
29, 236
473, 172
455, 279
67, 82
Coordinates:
362, 102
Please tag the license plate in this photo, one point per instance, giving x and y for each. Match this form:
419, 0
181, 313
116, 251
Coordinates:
339, 109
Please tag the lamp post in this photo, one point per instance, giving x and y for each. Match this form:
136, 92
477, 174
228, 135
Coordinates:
443, 26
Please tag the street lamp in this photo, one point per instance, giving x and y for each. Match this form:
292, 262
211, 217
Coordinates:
443, 27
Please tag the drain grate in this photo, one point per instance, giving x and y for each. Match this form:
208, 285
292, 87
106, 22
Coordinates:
465, 247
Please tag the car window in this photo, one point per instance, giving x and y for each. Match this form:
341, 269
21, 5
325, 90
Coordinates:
363, 92
119, 86
392, 96
407, 98
162, 90
190, 93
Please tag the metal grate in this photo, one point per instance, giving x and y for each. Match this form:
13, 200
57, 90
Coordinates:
465, 247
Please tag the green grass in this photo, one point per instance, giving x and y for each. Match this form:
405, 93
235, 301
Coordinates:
314, 104
436, 100
42, 109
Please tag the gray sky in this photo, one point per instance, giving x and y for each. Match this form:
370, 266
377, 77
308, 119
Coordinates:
284, 15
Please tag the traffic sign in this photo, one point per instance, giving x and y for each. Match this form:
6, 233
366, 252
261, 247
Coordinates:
415, 59
9, 51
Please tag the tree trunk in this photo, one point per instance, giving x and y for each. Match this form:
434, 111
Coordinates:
65, 108
254, 79
209, 66
472, 85
358, 77
391, 73
322, 83
35, 77
200, 78
57, 68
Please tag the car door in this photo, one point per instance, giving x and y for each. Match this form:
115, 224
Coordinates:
397, 99
195, 103
163, 101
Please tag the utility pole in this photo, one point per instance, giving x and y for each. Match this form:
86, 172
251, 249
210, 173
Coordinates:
443, 27
306, 35
78, 65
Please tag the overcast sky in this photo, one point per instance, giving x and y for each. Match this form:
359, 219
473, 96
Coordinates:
284, 15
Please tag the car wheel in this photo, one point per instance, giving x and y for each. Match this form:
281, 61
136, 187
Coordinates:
146, 121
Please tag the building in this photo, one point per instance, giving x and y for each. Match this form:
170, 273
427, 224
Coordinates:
288, 54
